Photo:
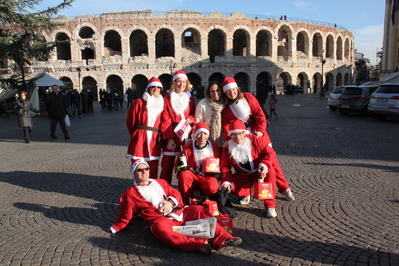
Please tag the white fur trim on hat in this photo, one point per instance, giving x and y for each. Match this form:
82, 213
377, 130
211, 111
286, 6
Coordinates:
154, 83
229, 86
235, 130
180, 75
201, 130
135, 164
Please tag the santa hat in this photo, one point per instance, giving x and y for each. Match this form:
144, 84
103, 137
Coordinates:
237, 125
135, 164
228, 83
154, 82
180, 74
200, 127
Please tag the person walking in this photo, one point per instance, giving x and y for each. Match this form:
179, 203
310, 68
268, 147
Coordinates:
129, 93
76, 100
143, 122
22, 106
273, 105
161, 206
56, 106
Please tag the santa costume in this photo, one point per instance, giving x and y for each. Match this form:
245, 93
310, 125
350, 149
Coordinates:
143, 122
144, 200
246, 159
177, 107
249, 111
194, 178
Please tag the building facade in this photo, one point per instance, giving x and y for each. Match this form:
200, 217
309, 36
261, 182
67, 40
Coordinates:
125, 49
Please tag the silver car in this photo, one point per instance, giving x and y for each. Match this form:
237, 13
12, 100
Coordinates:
333, 98
385, 101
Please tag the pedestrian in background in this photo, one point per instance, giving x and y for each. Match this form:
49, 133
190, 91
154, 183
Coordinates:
56, 106
22, 107
273, 106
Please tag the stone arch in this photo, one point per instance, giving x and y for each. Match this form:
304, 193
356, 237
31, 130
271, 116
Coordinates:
164, 43
264, 43
217, 76
191, 41
138, 41
166, 80
330, 46
89, 83
114, 81
77, 29
316, 81
68, 82
195, 80
339, 80
317, 45
216, 44
329, 82
86, 32
242, 80
139, 85
113, 43
265, 78
284, 41
241, 43
346, 79
63, 46
283, 81
302, 42
263, 86
302, 80
339, 48
347, 48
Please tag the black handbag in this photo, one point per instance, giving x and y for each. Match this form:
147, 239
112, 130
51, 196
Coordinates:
224, 203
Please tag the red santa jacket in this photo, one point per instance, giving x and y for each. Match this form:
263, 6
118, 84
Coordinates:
260, 154
143, 143
257, 119
192, 162
171, 119
132, 202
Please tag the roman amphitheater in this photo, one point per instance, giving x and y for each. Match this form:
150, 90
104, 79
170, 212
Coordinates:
125, 49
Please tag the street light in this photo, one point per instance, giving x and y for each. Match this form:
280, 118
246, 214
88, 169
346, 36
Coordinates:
78, 69
323, 61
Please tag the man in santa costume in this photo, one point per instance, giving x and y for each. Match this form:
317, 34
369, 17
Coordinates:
245, 107
161, 207
250, 157
196, 177
143, 122
179, 105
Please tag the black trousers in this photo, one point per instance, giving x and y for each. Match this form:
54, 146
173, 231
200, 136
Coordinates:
54, 121
27, 131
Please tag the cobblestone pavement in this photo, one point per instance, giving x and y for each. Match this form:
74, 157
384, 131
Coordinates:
58, 197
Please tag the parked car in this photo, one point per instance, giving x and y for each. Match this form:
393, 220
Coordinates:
355, 99
333, 98
298, 89
385, 101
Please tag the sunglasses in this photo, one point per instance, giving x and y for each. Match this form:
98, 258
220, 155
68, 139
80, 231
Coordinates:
141, 170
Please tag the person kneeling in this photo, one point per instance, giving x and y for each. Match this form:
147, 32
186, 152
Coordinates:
161, 207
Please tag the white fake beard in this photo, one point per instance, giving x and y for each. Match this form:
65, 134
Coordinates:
239, 152
154, 106
179, 102
153, 193
241, 109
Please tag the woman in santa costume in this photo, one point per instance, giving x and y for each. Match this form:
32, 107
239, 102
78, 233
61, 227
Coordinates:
251, 158
143, 122
245, 107
195, 178
179, 105
161, 207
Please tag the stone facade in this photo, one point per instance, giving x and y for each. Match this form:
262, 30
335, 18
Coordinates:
125, 49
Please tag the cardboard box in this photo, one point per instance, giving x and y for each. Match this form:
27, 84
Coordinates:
225, 221
211, 165
263, 190
212, 207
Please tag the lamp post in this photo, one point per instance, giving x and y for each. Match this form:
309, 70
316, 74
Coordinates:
78, 69
323, 61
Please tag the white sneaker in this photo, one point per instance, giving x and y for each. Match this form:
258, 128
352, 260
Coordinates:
245, 201
289, 195
271, 213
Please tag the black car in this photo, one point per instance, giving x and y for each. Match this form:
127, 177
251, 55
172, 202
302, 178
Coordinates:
355, 99
298, 89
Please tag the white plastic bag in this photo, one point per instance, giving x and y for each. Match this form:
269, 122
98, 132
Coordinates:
67, 121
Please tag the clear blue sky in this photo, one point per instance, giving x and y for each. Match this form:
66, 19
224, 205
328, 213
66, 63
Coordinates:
365, 19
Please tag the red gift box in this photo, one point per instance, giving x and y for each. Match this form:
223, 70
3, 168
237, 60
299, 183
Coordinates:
225, 221
211, 206
211, 165
263, 190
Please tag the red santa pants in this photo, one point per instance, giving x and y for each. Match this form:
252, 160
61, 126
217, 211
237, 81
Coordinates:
242, 186
162, 230
189, 182
168, 163
281, 180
